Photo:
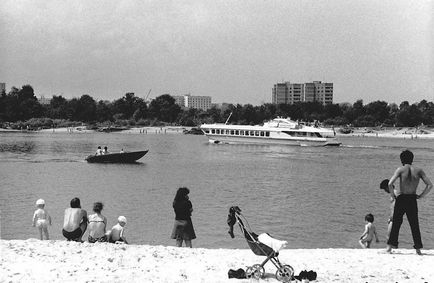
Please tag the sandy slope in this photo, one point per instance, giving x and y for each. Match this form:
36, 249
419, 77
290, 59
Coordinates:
60, 261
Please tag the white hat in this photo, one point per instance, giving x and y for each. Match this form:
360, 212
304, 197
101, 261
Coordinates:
40, 201
122, 219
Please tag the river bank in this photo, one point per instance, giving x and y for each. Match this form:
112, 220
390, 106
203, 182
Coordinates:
401, 133
60, 261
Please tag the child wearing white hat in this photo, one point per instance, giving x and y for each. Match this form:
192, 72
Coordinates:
117, 234
41, 219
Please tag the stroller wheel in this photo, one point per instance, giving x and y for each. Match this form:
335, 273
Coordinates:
256, 271
285, 273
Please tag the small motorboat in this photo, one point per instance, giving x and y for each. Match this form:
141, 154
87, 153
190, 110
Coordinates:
121, 157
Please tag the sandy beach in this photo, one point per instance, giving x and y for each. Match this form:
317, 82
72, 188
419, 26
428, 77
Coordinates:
60, 261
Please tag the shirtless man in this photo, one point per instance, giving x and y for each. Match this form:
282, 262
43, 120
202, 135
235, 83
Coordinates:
406, 197
74, 222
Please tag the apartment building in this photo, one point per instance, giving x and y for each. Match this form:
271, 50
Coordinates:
191, 101
290, 93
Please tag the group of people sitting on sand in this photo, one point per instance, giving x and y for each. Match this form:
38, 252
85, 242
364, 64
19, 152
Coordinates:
76, 221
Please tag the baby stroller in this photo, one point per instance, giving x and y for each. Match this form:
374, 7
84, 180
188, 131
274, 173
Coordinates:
262, 245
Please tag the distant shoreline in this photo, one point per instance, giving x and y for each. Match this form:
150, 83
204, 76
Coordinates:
401, 133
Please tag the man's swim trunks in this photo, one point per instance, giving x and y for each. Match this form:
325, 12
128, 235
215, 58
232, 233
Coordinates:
72, 236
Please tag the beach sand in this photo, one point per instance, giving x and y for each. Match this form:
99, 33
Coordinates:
60, 261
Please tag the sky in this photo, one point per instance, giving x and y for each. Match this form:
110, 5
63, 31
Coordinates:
233, 51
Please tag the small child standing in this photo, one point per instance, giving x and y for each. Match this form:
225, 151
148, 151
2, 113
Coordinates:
117, 233
41, 219
369, 233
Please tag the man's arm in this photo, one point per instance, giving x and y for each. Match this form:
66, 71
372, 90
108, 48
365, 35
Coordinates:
427, 182
392, 181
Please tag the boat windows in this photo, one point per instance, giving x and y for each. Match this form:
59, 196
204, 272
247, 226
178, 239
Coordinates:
237, 132
252, 133
267, 134
217, 131
292, 134
257, 133
262, 134
213, 131
232, 132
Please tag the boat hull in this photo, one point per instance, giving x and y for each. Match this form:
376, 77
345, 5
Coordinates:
260, 140
125, 157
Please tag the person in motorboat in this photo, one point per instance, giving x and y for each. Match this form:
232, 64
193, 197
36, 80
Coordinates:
105, 151
97, 224
98, 151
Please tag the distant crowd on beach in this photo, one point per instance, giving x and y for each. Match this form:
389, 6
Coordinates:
76, 221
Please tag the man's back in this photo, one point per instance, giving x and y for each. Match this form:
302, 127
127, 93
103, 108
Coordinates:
409, 177
72, 219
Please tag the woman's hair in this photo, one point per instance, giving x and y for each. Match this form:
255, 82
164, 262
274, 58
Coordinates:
181, 194
75, 203
369, 217
97, 207
384, 185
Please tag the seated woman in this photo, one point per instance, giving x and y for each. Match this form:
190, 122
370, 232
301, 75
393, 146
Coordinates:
97, 224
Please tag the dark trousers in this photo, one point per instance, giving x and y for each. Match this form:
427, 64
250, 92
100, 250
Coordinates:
405, 204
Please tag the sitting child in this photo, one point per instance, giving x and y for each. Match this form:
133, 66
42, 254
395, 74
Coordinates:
117, 233
41, 219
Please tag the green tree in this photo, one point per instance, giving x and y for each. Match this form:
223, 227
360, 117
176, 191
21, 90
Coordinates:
86, 109
164, 108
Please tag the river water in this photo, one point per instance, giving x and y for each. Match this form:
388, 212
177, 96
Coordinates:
313, 197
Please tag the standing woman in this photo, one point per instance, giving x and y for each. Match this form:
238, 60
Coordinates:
183, 229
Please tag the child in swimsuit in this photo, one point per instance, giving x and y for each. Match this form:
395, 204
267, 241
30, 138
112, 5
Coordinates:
117, 233
369, 233
41, 219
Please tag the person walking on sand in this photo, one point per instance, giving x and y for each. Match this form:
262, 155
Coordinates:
369, 233
41, 219
183, 228
406, 200
74, 222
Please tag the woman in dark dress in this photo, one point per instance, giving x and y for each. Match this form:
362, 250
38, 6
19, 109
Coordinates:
183, 229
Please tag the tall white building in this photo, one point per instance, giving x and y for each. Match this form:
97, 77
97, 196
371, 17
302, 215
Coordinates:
290, 93
196, 102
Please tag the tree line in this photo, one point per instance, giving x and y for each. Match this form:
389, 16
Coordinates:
20, 107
